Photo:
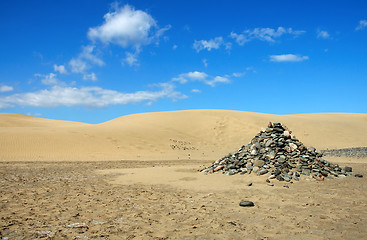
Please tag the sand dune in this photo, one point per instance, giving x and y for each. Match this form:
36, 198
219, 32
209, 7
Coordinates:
195, 134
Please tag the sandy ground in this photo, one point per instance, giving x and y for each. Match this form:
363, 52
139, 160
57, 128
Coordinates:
101, 200
136, 177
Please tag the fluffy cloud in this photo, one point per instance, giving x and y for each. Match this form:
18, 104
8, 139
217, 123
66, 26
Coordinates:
288, 58
263, 34
201, 77
127, 27
60, 68
362, 25
6, 88
323, 34
86, 96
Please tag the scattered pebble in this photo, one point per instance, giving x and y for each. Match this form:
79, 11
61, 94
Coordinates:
246, 204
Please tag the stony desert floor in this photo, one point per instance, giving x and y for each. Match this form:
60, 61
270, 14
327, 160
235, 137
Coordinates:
136, 177
92, 200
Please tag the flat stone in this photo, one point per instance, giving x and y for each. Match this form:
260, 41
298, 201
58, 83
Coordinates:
246, 204
358, 175
262, 172
259, 163
272, 176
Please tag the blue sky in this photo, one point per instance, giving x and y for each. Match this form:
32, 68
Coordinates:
92, 61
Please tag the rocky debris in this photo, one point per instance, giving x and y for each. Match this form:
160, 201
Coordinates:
246, 204
358, 152
277, 152
358, 175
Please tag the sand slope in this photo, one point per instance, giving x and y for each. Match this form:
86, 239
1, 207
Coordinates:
195, 134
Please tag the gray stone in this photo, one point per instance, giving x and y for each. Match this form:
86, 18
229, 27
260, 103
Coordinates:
262, 172
259, 163
348, 169
246, 204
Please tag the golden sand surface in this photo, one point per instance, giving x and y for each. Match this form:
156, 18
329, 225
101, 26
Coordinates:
136, 177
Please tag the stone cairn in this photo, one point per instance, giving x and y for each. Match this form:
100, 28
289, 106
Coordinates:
277, 152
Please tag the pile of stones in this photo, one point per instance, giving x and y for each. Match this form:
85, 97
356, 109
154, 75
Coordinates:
277, 152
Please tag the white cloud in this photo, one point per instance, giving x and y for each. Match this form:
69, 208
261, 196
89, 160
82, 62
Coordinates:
205, 61
127, 27
201, 77
323, 34
288, 58
131, 59
87, 96
218, 79
6, 88
92, 77
190, 76
240, 74
209, 45
362, 25
84, 60
60, 68
195, 90
78, 66
174, 47
241, 39
87, 53
49, 79
263, 34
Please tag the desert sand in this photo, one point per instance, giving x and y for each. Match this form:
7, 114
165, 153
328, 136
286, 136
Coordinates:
136, 177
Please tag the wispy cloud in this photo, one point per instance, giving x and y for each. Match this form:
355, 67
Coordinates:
201, 77
49, 79
95, 97
195, 90
362, 25
131, 59
6, 88
263, 34
60, 68
84, 60
208, 45
90, 77
322, 34
288, 58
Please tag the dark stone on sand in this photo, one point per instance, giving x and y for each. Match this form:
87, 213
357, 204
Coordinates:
348, 169
246, 204
358, 175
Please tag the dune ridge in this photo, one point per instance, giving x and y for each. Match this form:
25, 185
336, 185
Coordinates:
191, 134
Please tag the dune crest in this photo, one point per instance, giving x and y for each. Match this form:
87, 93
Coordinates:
191, 134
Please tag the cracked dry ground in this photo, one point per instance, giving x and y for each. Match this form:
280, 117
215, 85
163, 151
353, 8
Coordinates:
60, 200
